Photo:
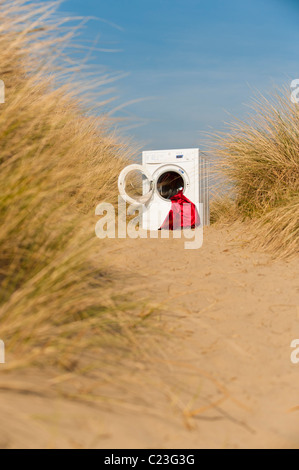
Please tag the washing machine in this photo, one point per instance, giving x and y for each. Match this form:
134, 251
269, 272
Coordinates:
164, 173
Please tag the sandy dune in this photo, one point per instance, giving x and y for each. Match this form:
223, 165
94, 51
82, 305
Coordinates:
222, 377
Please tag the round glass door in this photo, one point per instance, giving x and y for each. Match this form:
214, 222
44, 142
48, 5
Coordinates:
169, 184
135, 184
170, 180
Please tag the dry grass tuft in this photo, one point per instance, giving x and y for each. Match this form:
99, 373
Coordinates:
56, 164
259, 162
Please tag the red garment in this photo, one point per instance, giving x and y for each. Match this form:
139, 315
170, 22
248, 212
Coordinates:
183, 213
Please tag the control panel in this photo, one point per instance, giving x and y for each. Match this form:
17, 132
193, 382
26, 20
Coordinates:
169, 156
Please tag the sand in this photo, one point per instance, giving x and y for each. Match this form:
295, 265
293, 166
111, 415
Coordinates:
219, 372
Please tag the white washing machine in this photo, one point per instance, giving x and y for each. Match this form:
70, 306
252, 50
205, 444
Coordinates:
164, 173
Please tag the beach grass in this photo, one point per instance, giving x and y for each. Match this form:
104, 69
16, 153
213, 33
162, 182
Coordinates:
258, 163
57, 161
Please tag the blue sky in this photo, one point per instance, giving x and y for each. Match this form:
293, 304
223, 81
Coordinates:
189, 65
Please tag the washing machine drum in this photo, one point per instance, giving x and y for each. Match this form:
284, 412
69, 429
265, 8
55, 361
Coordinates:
169, 183
135, 184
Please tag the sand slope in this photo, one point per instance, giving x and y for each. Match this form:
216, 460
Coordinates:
221, 378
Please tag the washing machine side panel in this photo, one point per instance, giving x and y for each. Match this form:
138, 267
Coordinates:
192, 191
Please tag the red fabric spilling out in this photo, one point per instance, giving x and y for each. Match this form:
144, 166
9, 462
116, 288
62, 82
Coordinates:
183, 213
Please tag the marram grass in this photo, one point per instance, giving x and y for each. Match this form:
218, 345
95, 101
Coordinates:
56, 164
258, 160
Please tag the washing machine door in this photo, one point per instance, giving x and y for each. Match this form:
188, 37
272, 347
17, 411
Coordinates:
135, 184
